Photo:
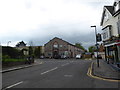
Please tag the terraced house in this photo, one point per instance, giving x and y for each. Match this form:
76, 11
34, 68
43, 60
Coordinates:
57, 47
110, 23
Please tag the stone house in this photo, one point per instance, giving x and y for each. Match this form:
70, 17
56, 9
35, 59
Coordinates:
57, 47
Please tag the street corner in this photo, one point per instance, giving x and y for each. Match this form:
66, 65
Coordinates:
92, 74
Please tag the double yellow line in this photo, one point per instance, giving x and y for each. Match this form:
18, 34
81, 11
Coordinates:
89, 73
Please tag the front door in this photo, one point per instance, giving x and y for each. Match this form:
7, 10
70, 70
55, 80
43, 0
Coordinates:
55, 54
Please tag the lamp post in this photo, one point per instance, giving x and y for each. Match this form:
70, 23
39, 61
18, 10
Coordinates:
96, 44
8, 43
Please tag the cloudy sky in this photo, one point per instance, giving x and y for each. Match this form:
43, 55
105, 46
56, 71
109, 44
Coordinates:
41, 20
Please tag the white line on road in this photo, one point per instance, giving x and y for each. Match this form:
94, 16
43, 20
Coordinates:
65, 64
49, 70
14, 85
68, 75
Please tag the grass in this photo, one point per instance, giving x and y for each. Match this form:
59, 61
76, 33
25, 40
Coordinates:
13, 60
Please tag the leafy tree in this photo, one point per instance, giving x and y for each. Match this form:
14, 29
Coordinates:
92, 49
37, 52
79, 45
30, 50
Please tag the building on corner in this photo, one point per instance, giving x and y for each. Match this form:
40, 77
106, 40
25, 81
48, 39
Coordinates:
57, 47
110, 23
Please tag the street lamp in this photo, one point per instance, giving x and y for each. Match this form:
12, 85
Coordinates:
8, 43
96, 44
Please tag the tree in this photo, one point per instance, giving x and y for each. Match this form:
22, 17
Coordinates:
37, 52
31, 51
79, 45
92, 49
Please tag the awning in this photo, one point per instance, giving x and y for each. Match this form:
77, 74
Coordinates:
113, 44
118, 44
110, 44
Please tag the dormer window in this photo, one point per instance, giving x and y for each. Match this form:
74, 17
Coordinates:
116, 6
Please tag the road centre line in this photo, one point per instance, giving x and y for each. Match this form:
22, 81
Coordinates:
14, 85
65, 64
49, 70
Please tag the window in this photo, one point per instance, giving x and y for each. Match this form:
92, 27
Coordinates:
61, 46
116, 6
106, 16
55, 46
118, 25
64, 46
49, 54
106, 33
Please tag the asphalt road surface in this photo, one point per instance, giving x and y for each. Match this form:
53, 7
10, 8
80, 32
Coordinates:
68, 73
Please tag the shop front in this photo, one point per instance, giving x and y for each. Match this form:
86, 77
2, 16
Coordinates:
112, 53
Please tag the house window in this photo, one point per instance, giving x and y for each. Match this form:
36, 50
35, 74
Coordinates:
64, 46
106, 16
116, 6
118, 25
61, 46
55, 46
106, 33
49, 54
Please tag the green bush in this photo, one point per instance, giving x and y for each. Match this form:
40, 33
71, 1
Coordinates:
5, 57
13, 60
12, 52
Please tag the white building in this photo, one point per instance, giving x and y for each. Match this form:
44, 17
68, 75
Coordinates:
110, 23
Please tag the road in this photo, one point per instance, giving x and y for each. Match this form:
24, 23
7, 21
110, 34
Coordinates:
69, 73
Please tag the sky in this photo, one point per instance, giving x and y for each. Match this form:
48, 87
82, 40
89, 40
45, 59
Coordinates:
41, 20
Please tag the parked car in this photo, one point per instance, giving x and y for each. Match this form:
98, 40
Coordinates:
63, 57
78, 56
41, 57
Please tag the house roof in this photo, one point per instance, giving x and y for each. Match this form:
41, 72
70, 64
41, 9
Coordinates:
110, 9
116, 13
64, 41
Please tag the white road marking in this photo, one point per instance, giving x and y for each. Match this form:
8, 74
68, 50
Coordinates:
49, 70
14, 85
68, 75
65, 64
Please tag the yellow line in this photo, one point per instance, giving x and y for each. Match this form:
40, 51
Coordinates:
89, 73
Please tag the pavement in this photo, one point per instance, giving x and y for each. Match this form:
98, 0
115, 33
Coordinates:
105, 71
18, 67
